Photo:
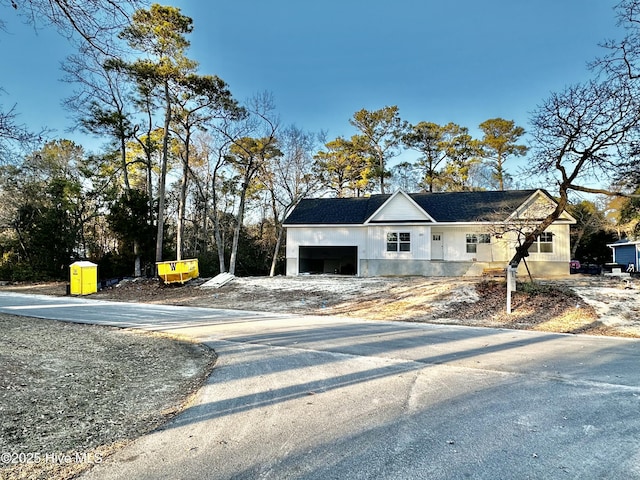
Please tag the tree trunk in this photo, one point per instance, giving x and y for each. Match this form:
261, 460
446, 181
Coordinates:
123, 161
137, 271
500, 173
381, 167
181, 215
182, 202
216, 220
219, 243
574, 247
274, 260
236, 231
217, 235
163, 174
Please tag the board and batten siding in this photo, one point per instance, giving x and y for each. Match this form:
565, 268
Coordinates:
500, 249
371, 242
454, 240
561, 246
420, 242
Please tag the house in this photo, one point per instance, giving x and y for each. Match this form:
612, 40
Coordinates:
428, 234
627, 254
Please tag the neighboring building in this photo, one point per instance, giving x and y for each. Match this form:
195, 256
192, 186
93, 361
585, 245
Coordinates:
627, 254
429, 234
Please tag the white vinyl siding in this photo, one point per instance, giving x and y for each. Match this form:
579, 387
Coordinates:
556, 250
371, 241
502, 249
419, 248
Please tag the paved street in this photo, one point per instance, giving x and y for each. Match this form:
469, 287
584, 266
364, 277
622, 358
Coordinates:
335, 398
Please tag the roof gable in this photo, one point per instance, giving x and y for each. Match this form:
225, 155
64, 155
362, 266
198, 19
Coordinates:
537, 207
400, 207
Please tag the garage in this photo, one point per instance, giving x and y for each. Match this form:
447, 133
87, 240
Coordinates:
336, 260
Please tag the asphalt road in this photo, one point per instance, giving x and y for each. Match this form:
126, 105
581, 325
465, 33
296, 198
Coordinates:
334, 398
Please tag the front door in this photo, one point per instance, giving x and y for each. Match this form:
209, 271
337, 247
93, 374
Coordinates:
437, 246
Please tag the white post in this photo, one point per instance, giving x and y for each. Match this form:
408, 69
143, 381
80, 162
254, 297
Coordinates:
511, 285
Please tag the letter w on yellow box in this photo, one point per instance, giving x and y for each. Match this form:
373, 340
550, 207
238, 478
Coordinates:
178, 271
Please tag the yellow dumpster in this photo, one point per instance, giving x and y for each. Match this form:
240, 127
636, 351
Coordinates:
178, 270
84, 278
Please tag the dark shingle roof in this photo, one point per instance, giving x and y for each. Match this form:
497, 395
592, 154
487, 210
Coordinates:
471, 206
443, 207
335, 211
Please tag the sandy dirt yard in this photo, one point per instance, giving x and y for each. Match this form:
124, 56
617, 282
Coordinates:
78, 392
578, 304
71, 394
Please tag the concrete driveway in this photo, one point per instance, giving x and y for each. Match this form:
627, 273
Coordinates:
333, 398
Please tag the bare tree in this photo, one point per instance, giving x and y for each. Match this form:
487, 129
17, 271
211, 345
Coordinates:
405, 176
199, 100
100, 104
209, 180
96, 22
15, 136
93, 23
580, 135
289, 178
252, 141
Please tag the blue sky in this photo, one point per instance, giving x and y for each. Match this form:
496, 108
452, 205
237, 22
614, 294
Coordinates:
461, 61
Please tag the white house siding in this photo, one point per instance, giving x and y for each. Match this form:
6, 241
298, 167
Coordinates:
322, 236
551, 264
377, 242
500, 251
455, 243
454, 240
374, 260
380, 262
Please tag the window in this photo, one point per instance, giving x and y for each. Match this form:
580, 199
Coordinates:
398, 242
543, 243
473, 239
546, 242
